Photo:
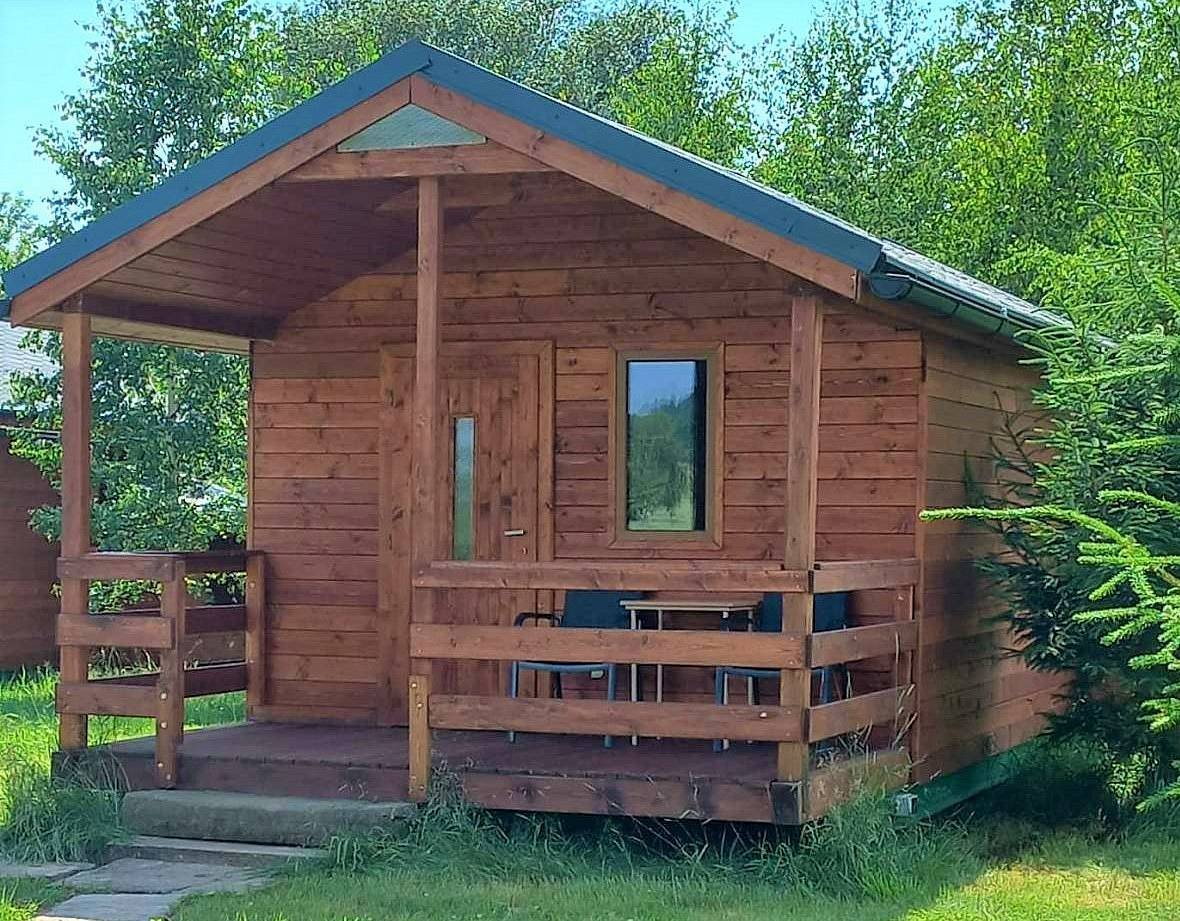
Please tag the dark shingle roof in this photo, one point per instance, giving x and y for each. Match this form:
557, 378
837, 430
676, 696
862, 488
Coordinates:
895, 272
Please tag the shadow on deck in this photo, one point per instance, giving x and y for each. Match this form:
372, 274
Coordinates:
575, 774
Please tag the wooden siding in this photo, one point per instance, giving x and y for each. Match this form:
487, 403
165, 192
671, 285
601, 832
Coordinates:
976, 698
586, 271
27, 561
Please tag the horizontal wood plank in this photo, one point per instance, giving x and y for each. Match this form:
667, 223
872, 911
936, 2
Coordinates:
856, 643
107, 699
675, 575
122, 631
828, 720
856, 575
468, 159
645, 647
622, 718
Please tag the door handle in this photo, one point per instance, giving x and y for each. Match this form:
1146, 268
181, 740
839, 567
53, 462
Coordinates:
515, 532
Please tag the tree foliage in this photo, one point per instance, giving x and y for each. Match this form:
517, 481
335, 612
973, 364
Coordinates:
171, 81
1094, 580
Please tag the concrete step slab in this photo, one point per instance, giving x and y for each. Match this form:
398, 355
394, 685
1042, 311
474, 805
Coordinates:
210, 815
225, 853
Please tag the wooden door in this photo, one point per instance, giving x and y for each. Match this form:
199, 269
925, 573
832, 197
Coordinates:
491, 478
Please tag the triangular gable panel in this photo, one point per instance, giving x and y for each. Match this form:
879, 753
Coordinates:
411, 126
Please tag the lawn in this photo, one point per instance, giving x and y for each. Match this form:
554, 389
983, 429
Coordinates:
1047, 857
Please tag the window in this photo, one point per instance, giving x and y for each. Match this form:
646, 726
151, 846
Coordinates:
666, 431
463, 488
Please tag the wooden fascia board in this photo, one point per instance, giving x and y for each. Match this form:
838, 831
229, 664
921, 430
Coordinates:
151, 332
244, 326
463, 160
119, 252
631, 186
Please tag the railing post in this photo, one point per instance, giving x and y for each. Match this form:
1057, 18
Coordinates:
75, 505
256, 690
419, 737
170, 685
801, 500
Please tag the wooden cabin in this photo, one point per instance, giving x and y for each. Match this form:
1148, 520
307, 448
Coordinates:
503, 350
28, 562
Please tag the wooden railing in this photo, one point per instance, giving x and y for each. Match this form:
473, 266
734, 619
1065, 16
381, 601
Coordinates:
788, 652
175, 634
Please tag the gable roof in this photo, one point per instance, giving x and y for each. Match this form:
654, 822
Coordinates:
894, 272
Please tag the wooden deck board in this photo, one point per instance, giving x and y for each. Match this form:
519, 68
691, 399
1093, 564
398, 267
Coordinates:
482, 752
573, 774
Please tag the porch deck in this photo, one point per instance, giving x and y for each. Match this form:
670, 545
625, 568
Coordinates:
667, 778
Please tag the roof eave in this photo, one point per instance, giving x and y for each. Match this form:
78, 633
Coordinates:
986, 317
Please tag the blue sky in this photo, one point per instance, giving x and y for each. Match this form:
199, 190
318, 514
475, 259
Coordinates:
43, 44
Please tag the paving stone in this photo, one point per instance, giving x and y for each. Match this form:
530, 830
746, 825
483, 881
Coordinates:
112, 907
49, 871
228, 853
133, 875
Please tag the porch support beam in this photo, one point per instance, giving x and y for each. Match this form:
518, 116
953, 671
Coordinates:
426, 427
75, 506
801, 487
242, 325
466, 159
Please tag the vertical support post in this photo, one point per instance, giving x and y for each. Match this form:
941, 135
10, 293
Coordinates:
419, 754
75, 504
170, 686
256, 690
426, 426
424, 461
801, 488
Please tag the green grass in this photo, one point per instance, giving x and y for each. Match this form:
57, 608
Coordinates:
44, 818
1051, 845
21, 899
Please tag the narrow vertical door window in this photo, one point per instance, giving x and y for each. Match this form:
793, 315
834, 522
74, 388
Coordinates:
463, 478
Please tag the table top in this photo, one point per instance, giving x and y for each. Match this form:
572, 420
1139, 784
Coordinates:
704, 605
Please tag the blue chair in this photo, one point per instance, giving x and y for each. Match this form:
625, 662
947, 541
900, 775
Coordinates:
831, 613
588, 610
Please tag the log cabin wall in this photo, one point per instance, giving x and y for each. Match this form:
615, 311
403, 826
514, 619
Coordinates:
586, 271
28, 566
976, 698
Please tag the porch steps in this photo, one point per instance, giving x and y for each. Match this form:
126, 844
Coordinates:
214, 816
218, 853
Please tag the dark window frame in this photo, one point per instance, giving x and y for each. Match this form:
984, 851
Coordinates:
709, 536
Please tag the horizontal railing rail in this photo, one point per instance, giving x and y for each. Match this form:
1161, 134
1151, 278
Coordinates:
616, 718
184, 639
825, 721
641, 647
666, 575
860, 575
895, 640
855, 644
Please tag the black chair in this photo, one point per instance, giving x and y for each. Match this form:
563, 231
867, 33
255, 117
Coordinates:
831, 613
589, 610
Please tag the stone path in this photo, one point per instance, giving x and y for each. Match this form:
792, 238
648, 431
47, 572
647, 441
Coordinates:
131, 889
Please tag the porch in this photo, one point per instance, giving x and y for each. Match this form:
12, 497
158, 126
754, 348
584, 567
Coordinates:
781, 767
663, 778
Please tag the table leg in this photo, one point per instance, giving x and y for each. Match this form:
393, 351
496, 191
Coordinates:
750, 681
